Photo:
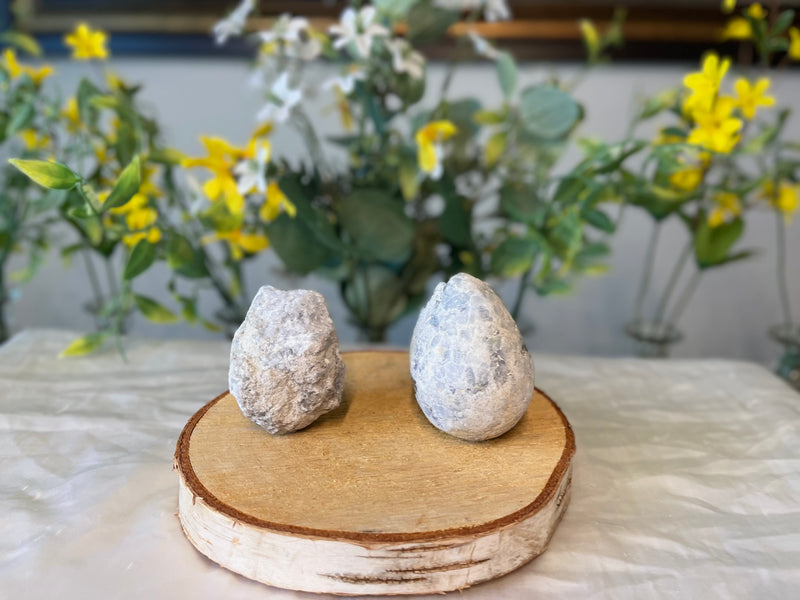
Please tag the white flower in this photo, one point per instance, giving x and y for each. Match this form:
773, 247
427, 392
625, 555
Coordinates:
251, 173
496, 10
234, 24
482, 46
293, 33
281, 101
359, 29
345, 83
405, 59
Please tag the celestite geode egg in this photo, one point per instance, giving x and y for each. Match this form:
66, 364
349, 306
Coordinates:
473, 375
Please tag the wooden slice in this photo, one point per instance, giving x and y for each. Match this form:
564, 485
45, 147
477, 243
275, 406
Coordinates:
372, 499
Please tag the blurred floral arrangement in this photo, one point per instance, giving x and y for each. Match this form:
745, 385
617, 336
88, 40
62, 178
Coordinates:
421, 183
382, 208
416, 184
120, 199
720, 157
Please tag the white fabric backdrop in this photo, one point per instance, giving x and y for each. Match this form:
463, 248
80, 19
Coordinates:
686, 482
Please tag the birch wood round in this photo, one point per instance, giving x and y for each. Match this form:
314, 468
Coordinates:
372, 499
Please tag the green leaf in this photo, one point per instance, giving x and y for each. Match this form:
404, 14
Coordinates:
376, 222
184, 259
507, 73
22, 41
488, 117
154, 311
455, 222
521, 204
86, 111
598, 219
84, 345
296, 244
84, 211
126, 142
565, 237
427, 22
783, 22
140, 259
47, 174
21, 117
712, 244
376, 296
127, 185
547, 112
514, 256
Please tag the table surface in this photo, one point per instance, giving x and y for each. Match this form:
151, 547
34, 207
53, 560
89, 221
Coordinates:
686, 481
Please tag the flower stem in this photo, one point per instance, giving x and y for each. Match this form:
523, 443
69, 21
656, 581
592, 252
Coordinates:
673, 281
783, 288
523, 286
647, 270
95, 284
684, 298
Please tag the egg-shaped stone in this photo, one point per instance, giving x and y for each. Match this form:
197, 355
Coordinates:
473, 375
285, 369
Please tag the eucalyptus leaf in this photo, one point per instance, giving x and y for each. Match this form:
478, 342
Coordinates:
296, 244
548, 112
507, 73
377, 224
427, 21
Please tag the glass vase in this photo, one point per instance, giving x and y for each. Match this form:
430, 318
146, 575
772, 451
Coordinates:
653, 340
789, 363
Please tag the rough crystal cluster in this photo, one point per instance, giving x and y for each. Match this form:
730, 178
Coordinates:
473, 375
285, 368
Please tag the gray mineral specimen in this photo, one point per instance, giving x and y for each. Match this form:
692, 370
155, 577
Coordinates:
285, 368
473, 375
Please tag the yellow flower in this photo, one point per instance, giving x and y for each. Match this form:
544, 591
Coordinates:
114, 81
33, 140
590, 36
152, 235
15, 69
343, 106
87, 43
786, 200
222, 156
263, 130
687, 179
752, 96
665, 138
71, 114
737, 28
148, 187
794, 43
275, 200
705, 84
726, 208
141, 221
136, 204
241, 243
728, 6
716, 129
429, 150
756, 11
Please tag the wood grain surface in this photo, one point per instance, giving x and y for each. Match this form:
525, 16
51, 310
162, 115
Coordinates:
372, 498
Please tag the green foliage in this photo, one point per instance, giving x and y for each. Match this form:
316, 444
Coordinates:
47, 174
